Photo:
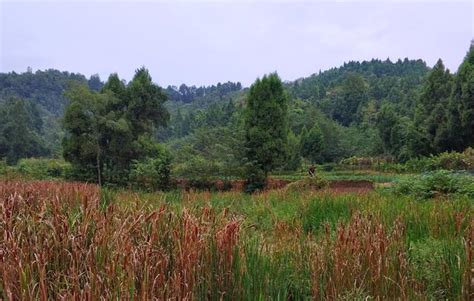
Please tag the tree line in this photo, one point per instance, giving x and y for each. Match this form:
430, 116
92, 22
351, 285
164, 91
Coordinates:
110, 131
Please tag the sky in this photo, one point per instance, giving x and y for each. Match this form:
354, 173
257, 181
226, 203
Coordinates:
202, 43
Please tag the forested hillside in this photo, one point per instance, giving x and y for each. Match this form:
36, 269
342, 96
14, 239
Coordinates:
399, 110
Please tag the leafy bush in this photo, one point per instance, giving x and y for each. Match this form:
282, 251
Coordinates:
39, 168
446, 160
151, 173
441, 182
456, 161
197, 167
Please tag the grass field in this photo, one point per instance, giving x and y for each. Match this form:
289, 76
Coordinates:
370, 175
75, 241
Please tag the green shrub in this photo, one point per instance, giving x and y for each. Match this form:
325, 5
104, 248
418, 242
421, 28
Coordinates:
40, 168
446, 160
151, 173
441, 182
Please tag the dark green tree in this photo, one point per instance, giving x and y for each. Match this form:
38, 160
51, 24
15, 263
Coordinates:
20, 131
108, 130
462, 106
431, 111
293, 162
94, 83
266, 129
349, 99
312, 144
84, 144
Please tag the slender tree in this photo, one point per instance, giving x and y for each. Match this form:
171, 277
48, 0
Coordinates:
266, 129
433, 102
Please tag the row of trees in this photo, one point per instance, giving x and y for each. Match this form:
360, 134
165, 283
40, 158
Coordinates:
443, 118
400, 109
187, 94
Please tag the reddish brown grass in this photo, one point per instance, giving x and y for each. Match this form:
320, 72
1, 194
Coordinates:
363, 256
57, 243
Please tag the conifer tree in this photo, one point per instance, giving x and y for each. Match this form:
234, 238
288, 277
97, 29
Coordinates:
433, 101
266, 129
463, 100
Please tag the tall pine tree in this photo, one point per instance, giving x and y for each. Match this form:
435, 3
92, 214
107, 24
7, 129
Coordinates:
463, 100
266, 129
431, 112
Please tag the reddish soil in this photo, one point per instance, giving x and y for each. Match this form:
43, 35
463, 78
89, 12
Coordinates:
338, 186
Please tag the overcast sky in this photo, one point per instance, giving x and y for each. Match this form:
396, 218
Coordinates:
207, 42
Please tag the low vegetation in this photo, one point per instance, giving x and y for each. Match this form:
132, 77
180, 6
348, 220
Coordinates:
73, 240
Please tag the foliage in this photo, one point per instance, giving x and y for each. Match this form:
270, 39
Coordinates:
396, 82
20, 131
43, 88
293, 161
437, 183
42, 168
190, 94
209, 153
107, 130
401, 109
311, 144
430, 116
349, 99
151, 173
461, 116
266, 128
446, 160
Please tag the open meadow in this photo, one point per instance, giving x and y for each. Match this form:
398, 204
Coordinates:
69, 240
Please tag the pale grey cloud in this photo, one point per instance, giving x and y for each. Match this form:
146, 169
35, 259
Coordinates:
205, 42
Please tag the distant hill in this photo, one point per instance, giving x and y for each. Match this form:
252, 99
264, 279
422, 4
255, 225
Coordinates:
44, 88
395, 82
